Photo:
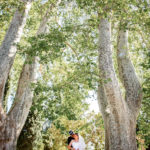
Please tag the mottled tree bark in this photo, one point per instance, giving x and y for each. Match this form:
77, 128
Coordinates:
105, 111
18, 114
6, 91
127, 74
8, 47
15, 119
119, 115
7, 55
24, 95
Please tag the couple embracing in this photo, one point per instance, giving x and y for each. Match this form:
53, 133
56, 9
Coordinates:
75, 141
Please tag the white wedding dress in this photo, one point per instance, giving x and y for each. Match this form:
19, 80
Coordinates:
76, 145
80, 144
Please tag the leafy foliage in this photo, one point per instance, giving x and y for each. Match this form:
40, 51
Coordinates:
68, 67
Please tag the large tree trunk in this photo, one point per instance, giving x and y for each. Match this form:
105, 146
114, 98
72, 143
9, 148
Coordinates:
7, 55
8, 47
15, 119
8, 139
119, 115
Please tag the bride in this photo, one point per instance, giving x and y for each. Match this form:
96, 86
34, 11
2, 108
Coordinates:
76, 145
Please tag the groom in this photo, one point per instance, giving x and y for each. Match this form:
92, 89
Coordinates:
81, 140
70, 138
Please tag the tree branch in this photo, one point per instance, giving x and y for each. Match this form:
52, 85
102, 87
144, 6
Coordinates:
105, 110
127, 73
24, 95
107, 73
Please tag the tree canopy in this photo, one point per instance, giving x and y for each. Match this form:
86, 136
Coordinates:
67, 69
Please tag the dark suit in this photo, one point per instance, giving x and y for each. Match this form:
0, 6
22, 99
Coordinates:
69, 140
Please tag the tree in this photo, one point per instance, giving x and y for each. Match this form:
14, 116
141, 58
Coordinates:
119, 112
119, 115
7, 55
13, 122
